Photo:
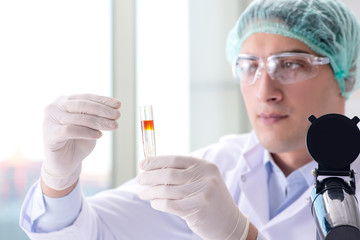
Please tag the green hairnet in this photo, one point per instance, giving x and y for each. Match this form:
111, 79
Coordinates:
328, 27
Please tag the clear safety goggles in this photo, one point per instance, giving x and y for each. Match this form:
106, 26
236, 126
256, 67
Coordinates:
286, 68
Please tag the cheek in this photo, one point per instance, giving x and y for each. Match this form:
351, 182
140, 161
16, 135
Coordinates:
318, 98
248, 94
248, 97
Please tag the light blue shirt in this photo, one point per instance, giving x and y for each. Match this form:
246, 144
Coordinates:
283, 191
51, 214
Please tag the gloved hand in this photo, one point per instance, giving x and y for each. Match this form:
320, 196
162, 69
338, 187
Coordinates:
71, 127
194, 190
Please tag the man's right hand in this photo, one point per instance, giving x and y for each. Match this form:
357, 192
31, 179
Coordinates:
71, 127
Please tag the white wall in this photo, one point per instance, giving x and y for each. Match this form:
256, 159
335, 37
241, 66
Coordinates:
162, 75
216, 103
123, 56
353, 104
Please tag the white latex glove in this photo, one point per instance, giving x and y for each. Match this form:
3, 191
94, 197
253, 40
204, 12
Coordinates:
194, 190
71, 127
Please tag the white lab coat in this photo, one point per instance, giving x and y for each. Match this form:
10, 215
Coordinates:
120, 214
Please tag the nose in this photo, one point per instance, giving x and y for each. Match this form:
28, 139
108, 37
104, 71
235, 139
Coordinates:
268, 90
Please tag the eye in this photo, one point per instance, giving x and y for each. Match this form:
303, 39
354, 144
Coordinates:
247, 66
293, 64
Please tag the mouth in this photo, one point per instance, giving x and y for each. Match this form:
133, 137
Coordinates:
271, 118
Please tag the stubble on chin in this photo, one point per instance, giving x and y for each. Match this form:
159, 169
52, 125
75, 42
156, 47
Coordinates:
286, 141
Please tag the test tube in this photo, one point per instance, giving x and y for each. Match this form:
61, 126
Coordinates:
147, 130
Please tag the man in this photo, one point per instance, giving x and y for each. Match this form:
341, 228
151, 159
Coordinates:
293, 59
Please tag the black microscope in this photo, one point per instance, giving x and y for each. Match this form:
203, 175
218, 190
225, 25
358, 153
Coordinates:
333, 141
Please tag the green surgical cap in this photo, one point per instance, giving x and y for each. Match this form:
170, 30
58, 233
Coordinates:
328, 27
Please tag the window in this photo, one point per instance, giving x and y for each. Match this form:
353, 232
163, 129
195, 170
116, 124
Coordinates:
162, 70
48, 49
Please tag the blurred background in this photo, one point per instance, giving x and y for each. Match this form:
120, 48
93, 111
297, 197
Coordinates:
167, 53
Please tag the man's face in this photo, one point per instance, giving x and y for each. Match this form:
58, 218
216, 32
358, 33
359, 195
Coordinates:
279, 113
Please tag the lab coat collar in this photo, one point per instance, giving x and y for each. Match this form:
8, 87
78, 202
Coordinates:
253, 146
243, 165
252, 180
301, 204
252, 172
254, 186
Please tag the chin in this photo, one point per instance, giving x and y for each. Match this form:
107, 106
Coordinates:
277, 143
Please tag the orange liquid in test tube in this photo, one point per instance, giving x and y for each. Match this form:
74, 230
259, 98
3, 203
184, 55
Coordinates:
147, 130
147, 125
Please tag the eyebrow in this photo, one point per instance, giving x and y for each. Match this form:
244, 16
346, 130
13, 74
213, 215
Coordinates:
294, 51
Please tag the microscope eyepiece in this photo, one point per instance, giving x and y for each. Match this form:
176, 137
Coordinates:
333, 140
